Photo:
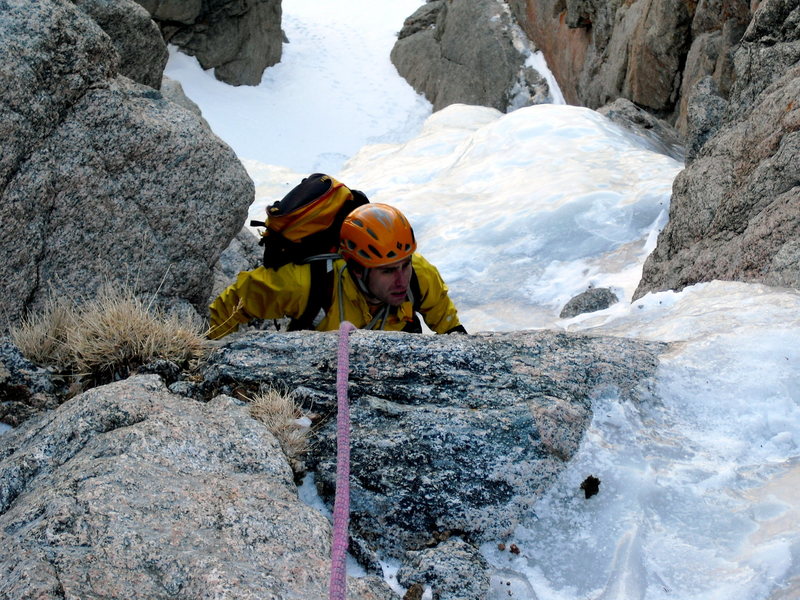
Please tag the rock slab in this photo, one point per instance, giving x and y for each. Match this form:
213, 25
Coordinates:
129, 491
450, 434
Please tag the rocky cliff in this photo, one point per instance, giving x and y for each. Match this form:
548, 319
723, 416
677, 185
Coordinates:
651, 52
723, 72
101, 178
735, 209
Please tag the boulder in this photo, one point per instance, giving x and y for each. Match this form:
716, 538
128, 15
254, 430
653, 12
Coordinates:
515, 404
54, 54
128, 491
658, 135
591, 300
101, 178
236, 38
466, 52
242, 254
173, 91
455, 570
137, 39
735, 210
26, 390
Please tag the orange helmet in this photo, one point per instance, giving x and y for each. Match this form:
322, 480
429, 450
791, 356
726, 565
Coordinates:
376, 234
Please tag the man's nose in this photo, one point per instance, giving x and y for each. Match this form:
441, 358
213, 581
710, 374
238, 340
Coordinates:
401, 278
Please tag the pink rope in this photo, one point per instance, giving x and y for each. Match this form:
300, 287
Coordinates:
341, 506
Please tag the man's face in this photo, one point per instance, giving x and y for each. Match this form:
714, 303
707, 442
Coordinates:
389, 283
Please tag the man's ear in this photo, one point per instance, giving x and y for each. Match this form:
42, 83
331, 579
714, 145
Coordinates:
356, 269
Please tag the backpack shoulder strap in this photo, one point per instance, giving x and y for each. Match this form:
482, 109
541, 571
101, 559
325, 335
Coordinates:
416, 295
319, 293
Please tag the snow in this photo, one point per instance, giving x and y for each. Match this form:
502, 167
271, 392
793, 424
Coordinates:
319, 108
695, 495
521, 212
558, 195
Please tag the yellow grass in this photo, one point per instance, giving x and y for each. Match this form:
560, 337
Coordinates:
111, 334
42, 336
278, 411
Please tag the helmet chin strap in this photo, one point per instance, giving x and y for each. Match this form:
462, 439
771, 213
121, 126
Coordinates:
361, 283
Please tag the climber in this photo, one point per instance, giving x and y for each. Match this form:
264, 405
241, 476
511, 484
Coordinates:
378, 281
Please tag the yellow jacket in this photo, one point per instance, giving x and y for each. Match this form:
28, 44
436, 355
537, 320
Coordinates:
272, 294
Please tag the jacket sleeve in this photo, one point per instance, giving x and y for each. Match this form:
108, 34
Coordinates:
260, 294
436, 307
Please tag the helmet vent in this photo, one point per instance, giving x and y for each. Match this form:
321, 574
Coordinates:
375, 251
373, 234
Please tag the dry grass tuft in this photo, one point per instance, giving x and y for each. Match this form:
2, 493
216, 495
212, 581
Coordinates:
278, 411
117, 329
109, 335
42, 336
